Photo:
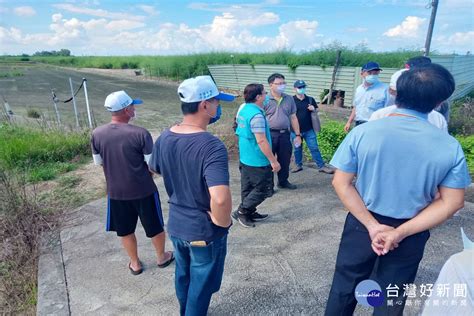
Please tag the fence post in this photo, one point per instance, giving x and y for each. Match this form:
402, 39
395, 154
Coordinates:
56, 107
333, 79
74, 102
87, 103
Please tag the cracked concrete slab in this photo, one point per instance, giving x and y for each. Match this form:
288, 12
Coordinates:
283, 266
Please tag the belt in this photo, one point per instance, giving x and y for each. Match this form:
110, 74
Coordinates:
278, 130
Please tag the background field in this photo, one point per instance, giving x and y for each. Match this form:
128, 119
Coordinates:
181, 67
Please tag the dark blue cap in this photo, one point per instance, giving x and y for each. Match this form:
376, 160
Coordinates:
299, 84
371, 65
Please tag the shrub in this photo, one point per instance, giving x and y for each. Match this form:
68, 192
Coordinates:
33, 113
462, 116
467, 144
331, 135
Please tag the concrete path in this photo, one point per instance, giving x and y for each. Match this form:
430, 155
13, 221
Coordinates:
284, 266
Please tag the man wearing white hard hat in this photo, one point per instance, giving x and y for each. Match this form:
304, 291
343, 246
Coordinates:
194, 166
124, 150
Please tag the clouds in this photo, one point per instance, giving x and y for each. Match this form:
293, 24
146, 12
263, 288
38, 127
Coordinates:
24, 11
409, 28
98, 12
100, 27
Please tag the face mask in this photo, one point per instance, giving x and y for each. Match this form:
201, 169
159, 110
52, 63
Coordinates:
371, 79
134, 116
217, 116
301, 90
266, 101
281, 88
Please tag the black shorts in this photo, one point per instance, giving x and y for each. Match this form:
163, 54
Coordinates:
122, 215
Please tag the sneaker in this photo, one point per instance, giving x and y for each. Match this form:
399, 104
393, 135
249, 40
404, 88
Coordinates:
235, 215
271, 192
256, 216
287, 185
327, 169
297, 169
243, 219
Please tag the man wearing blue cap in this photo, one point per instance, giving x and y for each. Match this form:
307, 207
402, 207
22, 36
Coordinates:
124, 150
306, 109
195, 170
370, 96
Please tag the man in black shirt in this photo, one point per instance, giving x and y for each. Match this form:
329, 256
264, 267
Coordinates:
305, 107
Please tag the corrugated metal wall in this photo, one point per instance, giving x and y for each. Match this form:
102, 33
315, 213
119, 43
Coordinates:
462, 68
236, 77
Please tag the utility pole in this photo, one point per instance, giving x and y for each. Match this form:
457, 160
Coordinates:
434, 8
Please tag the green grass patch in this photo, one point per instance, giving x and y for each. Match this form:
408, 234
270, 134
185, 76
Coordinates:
11, 74
41, 153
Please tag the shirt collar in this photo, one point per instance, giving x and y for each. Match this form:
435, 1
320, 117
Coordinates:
410, 112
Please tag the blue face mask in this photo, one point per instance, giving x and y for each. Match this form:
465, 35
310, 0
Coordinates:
371, 79
266, 101
218, 115
301, 90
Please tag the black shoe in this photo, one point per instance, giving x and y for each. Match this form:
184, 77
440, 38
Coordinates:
297, 169
243, 220
256, 216
287, 185
235, 215
271, 192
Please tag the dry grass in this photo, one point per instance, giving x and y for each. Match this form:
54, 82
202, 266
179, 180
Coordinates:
22, 220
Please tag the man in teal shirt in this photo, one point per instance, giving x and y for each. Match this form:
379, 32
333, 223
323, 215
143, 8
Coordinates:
411, 176
257, 162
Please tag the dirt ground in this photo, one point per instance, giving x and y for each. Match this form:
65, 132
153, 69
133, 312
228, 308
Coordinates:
161, 107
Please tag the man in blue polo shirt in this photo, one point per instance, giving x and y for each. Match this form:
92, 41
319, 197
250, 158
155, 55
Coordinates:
195, 170
370, 96
411, 176
257, 162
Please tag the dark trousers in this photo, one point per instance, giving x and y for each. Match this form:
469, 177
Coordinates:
281, 146
356, 261
255, 182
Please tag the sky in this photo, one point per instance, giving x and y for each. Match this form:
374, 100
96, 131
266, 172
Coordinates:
176, 27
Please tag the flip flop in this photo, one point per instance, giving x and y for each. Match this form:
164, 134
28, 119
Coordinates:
167, 262
135, 272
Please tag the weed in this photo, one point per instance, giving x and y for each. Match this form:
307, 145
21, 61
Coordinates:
33, 113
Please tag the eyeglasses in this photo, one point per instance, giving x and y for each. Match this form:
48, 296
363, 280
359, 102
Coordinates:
279, 83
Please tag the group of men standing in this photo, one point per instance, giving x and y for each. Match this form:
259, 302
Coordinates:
388, 217
268, 125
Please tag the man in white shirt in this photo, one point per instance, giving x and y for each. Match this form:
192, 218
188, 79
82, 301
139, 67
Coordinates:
434, 117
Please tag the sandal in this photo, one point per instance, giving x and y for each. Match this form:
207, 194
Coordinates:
135, 272
167, 262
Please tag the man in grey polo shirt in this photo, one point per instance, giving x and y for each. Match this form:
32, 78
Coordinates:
281, 113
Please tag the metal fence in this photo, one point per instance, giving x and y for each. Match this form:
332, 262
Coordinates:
236, 77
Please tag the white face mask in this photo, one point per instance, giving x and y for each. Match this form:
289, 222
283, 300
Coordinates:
134, 117
281, 88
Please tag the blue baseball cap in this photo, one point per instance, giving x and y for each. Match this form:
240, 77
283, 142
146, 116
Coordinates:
371, 65
299, 84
